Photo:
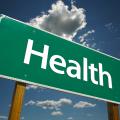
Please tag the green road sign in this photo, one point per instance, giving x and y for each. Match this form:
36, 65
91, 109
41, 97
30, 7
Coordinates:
35, 56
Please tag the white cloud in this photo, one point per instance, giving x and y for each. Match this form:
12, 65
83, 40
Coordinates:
61, 20
31, 102
57, 104
65, 21
56, 113
50, 104
84, 36
82, 104
3, 117
22, 118
109, 26
85, 39
34, 87
70, 118
65, 101
89, 115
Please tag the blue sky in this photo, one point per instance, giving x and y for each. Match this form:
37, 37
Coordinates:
103, 18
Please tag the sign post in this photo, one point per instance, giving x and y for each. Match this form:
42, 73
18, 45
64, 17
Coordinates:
113, 111
17, 101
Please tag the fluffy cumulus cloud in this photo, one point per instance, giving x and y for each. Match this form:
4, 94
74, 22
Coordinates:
82, 104
56, 113
61, 20
50, 104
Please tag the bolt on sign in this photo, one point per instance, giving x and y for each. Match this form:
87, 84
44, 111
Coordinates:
31, 55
